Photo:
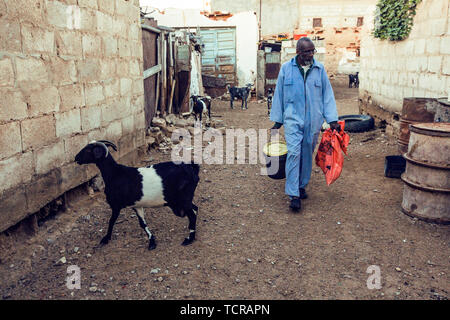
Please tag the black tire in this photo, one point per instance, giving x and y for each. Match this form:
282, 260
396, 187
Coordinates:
358, 122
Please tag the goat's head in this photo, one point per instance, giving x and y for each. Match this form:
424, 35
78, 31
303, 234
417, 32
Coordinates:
94, 152
194, 98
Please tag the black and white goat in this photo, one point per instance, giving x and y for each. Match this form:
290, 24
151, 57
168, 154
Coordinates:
353, 80
201, 105
269, 99
161, 184
240, 93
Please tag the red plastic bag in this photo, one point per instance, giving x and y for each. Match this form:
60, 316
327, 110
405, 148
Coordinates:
329, 157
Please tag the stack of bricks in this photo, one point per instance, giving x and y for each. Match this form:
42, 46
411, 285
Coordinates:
70, 72
418, 66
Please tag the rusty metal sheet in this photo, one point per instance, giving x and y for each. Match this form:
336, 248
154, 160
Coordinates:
150, 60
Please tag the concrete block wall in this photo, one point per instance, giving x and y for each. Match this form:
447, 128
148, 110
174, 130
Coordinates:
418, 66
70, 72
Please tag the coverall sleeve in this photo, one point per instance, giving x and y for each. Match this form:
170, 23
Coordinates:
277, 110
329, 103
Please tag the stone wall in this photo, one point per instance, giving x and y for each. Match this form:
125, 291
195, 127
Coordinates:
70, 72
418, 66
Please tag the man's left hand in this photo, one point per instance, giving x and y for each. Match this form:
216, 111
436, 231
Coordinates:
335, 126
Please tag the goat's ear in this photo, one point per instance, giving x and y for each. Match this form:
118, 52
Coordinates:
99, 152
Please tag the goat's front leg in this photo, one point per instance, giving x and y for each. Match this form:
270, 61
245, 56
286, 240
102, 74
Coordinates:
140, 214
112, 221
192, 216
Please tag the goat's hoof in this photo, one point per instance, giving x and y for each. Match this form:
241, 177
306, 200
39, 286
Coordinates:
105, 240
152, 244
187, 241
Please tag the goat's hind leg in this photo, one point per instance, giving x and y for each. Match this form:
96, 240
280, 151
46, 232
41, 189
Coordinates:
192, 216
140, 214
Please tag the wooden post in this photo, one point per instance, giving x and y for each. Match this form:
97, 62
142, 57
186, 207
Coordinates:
171, 95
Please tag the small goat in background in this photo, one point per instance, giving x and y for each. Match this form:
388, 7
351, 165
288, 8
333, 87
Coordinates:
162, 184
269, 99
201, 105
239, 93
353, 80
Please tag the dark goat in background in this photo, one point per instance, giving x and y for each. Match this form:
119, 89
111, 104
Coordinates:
240, 93
353, 80
162, 184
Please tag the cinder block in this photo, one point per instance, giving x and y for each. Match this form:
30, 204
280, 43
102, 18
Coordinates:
37, 132
63, 71
125, 86
88, 4
104, 22
72, 175
31, 70
10, 36
110, 112
110, 45
135, 68
419, 46
433, 45
138, 87
68, 43
437, 9
92, 45
6, 72
122, 67
111, 88
13, 207
16, 170
42, 101
445, 45
407, 92
49, 157
106, 6
72, 96
438, 26
43, 189
446, 65
128, 124
124, 48
68, 122
114, 130
94, 94
91, 118
108, 68
10, 139
119, 26
26, 10
58, 14
12, 105
73, 145
434, 64
139, 121
88, 19
35, 39
89, 69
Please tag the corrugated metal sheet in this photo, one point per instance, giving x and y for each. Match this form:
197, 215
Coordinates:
272, 68
219, 53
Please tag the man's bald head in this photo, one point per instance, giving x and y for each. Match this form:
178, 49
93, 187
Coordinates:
305, 51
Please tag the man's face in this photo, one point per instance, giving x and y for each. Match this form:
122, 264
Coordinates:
306, 52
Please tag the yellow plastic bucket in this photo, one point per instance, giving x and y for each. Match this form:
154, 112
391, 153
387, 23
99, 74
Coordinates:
276, 151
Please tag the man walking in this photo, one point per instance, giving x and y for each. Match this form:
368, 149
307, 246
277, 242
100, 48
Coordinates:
303, 99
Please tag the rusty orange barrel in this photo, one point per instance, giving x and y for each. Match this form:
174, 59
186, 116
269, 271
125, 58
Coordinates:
414, 110
426, 192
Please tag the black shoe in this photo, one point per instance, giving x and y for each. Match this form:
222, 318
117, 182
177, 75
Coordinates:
295, 204
303, 194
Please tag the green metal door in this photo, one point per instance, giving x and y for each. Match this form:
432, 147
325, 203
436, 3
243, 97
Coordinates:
219, 53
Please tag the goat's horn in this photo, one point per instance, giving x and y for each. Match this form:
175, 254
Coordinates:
109, 143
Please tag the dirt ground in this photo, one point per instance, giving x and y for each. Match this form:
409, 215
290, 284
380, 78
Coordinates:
249, 244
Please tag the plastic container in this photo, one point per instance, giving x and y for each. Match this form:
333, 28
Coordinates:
273, 152
394, 166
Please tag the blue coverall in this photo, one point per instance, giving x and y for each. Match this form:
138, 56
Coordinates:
301, 106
